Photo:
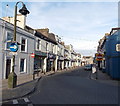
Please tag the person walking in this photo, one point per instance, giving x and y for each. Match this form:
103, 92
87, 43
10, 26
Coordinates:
94, 71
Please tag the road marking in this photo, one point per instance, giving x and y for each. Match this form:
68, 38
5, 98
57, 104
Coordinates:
15, 101
26, 100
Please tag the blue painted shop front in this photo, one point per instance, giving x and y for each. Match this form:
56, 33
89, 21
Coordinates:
112, 56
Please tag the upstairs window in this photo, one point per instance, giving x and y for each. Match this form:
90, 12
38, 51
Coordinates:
46, 46
38, 44
23, 44
9, 39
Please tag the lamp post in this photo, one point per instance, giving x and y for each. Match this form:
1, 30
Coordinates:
12, 78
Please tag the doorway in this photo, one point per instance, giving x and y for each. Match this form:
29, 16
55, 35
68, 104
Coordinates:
8, 67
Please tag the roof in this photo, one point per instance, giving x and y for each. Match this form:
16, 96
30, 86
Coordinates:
114, 30
42, 33
46, 35
29, 29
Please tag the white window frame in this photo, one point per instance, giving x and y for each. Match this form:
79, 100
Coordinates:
26, 44
25, 65
6, 40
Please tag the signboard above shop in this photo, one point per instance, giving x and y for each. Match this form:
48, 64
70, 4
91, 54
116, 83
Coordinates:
118, 47
99, 56
39, 53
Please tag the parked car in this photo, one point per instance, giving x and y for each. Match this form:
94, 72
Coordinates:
88, 67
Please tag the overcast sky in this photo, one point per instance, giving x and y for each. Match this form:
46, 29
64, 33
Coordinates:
81, 24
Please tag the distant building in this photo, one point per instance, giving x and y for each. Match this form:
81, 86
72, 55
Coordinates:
87, 60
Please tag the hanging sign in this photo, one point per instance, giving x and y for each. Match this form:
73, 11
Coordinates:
99, 56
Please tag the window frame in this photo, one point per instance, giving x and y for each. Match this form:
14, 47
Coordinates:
38, 46
25, 65
7, 40
24, 44
47, 48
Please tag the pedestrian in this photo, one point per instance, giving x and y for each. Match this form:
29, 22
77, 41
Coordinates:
94, 71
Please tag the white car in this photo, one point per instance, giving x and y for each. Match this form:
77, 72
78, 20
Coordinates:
88, 67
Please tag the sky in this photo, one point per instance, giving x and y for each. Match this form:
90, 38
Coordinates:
81, 24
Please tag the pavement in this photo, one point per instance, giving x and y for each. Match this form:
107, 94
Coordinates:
22, 89
25, 88
105, 78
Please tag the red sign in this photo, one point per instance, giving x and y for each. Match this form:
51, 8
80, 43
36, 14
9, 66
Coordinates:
99, 56
32, 55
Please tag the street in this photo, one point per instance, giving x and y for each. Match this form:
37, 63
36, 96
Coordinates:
73, 87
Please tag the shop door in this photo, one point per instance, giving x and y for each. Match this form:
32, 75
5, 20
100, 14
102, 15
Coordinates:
8, 67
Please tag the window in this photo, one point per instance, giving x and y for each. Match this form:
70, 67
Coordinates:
53, 48
22, 65
38, 44
23, 44
46, 46
9, 39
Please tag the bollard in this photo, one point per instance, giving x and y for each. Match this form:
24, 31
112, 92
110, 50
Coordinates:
12, 80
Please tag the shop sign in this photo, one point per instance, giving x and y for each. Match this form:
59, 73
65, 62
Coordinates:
40, 53
118, 47
99, 56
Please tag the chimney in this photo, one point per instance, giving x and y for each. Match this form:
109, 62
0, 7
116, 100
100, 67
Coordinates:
21, 20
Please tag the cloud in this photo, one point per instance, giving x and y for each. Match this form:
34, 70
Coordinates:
78, 23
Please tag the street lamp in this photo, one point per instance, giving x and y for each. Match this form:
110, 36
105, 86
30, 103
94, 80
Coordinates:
12, 78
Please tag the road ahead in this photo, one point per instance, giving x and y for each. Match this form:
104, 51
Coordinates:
74, 87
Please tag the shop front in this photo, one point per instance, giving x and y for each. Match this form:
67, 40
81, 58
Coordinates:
60, 63
51, 62
39, 61
66, 63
